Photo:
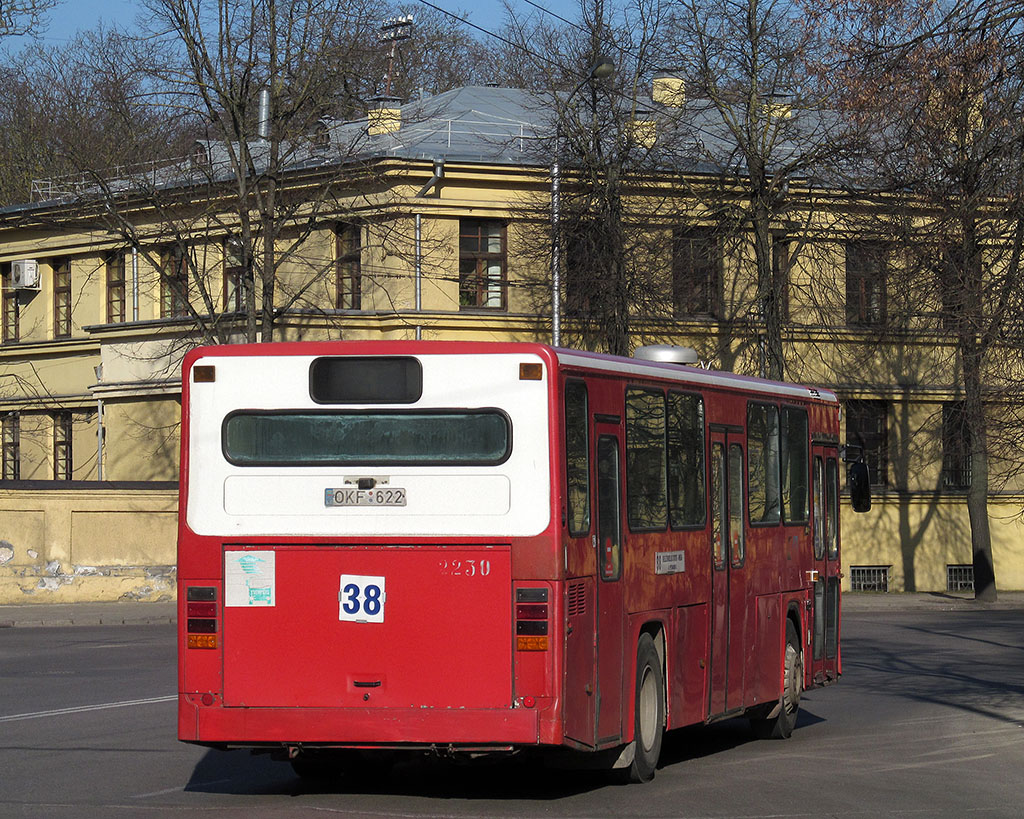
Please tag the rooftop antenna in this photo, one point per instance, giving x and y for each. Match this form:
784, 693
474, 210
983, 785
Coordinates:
394, 30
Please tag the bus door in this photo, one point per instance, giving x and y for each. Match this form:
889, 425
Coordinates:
728, 554
611, 656
825, 575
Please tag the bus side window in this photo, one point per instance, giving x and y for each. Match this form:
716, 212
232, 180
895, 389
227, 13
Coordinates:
609, 524
737, 542
577, 458
763, 463
718, 504
832, 502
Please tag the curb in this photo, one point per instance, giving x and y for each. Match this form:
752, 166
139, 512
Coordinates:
59, 615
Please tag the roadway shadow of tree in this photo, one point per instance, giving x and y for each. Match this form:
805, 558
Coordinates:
968, 661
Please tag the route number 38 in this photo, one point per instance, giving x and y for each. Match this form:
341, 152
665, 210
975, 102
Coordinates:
361, 598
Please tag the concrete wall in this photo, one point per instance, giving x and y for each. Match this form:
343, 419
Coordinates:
82, 543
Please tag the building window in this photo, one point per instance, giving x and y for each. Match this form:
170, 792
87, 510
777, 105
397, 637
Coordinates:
10, 308
115, 287
173, 282
11, 446
869, 578
696, 273
867, 426
234, 275
482, 264
956, 447
62, 462
348, 255
865, 284
61, 298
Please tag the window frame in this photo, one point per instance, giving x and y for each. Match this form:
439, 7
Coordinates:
174, 281
763, 522
10, 446
633, 450
115, 280
585, 511
11, 310
875, 443
698, 271
482, 260
348, 260
957, 466
63, 452
701, 472
233, 275
867, 266
61, 268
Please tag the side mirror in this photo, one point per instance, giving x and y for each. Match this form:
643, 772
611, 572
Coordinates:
859, 481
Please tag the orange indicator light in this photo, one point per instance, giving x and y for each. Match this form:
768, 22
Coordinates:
531, 372
531, 643
202, 641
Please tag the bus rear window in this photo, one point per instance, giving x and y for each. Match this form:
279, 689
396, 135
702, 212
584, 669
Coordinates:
366, 380
436, 438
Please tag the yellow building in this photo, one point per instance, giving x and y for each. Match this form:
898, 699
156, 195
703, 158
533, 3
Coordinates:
439, 230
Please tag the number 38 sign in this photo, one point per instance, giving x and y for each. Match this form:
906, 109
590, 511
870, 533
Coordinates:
361, 598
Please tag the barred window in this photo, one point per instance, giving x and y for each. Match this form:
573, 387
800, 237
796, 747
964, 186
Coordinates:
11, 311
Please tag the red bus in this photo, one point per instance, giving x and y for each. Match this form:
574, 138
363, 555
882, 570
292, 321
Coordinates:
475, 547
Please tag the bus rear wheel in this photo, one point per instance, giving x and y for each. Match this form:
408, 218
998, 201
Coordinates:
782, 724
648, 711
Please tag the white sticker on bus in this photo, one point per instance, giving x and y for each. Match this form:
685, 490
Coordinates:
249, 579
669, 562
361, 598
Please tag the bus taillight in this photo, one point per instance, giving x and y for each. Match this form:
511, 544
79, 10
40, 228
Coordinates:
532, 620
201, 616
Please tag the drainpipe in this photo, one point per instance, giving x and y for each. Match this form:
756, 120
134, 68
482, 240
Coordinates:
99, 439
135, 283
437, 177
556, 255
419, 272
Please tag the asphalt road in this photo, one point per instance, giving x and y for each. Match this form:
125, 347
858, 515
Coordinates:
928, 721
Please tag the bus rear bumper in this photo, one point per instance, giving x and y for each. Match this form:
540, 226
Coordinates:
240, 726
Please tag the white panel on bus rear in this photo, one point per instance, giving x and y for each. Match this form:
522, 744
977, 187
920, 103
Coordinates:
511, 499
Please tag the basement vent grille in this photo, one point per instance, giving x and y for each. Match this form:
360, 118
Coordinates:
869, 578
959, 577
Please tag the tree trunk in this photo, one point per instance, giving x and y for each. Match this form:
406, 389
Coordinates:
977, 493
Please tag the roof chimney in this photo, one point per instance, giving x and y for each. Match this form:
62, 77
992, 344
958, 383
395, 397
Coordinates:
668, 89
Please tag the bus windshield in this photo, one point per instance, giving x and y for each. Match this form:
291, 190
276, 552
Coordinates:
343, 437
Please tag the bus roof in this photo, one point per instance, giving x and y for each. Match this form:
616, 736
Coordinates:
558, 356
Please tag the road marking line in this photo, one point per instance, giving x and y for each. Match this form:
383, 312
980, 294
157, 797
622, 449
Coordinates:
84, 708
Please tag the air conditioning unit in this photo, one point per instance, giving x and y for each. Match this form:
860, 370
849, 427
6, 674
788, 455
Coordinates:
25, 274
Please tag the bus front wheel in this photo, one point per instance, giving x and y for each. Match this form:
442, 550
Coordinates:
782, 724
649, 711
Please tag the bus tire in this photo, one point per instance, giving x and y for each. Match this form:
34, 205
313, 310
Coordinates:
648, 711
782, 724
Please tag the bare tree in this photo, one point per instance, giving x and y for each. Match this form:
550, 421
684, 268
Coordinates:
949, 140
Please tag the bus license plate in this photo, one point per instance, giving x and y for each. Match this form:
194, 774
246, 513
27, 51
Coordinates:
392, 496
